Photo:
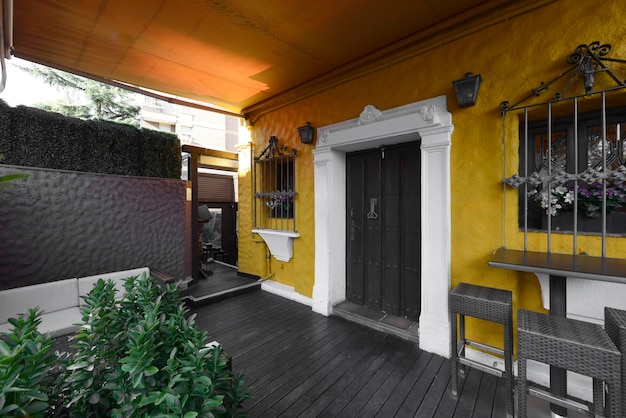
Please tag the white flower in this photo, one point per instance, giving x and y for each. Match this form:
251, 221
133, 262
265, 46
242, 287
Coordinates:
559, 198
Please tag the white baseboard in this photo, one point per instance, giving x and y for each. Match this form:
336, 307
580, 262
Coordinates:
285, 291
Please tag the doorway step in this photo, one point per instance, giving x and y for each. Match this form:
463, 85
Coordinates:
401, 327
220, 282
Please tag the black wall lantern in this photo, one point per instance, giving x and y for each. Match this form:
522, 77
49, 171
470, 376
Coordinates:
306, 132
466, 89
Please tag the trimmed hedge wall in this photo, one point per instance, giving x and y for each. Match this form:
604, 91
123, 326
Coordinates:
33, 137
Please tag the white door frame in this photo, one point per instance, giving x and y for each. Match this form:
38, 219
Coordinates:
430, 122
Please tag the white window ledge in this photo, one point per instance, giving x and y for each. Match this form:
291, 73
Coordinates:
279, 242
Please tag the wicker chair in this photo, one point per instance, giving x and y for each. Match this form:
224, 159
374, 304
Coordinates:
615, 327
491, 305
578, 346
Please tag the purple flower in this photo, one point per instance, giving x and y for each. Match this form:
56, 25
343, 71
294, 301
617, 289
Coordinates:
591, 199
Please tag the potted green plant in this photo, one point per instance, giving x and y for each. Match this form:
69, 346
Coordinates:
27, 361
141, 356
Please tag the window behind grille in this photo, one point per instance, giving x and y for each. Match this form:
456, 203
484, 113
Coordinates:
574, 145
274, 188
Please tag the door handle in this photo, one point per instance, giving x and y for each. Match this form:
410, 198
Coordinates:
372, 213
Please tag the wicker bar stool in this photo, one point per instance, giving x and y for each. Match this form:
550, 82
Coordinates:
615, 327
578, 346
492, 305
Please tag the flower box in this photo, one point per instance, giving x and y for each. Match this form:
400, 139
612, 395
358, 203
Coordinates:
564, 222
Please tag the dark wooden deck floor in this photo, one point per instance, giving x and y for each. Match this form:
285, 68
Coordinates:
302, 364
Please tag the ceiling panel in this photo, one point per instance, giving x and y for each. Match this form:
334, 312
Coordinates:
232, 54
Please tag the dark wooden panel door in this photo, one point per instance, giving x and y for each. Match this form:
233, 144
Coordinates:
363, 252
383, 229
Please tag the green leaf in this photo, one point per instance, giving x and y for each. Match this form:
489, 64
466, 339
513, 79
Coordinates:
16, 389
78, 365
31, 347
10, 177
205, 380
160, 398
212, 403
130, 367
10, 379
94, 398
146, 400
36, 407
137, 381
40, 396
150, 370
5, 350
79, 377
9, 408
190, 414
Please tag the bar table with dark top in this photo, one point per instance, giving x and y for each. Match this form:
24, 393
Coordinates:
558, 267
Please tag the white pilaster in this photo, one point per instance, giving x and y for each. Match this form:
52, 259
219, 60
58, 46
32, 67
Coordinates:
434, 324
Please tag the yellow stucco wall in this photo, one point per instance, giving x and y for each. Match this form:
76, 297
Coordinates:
512, 56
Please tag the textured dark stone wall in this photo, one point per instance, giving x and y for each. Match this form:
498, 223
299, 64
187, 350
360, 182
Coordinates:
58, 224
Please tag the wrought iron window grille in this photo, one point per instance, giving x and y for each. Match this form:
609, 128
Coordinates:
586, 62
274, 187
591, 64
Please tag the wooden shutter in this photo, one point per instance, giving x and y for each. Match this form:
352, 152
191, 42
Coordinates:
215, 188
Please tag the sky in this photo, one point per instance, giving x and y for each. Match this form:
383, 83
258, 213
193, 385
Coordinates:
23, 89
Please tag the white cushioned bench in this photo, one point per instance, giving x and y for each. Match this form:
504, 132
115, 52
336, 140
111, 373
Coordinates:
58, 300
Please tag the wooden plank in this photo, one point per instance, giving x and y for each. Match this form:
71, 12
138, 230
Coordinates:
377, 402
355, 223
436, 391
286, 356
306, 392
268, 377
499, 402
275, 382
411, 235
286, 342
359, 402
448, 403
371, 375
396, 397
299, 363
390, 213
249, 329
305, 365
225, 316
244, 330
415, 397
486, 394
467, 397
353, 379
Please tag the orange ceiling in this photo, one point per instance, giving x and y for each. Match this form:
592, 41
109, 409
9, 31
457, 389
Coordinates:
232, 54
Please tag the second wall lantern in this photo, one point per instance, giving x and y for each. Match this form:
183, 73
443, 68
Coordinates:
306, 132
466, 89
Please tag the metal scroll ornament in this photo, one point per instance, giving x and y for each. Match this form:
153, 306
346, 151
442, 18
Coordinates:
586, 62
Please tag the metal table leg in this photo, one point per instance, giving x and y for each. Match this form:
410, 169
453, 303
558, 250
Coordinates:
558, 307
